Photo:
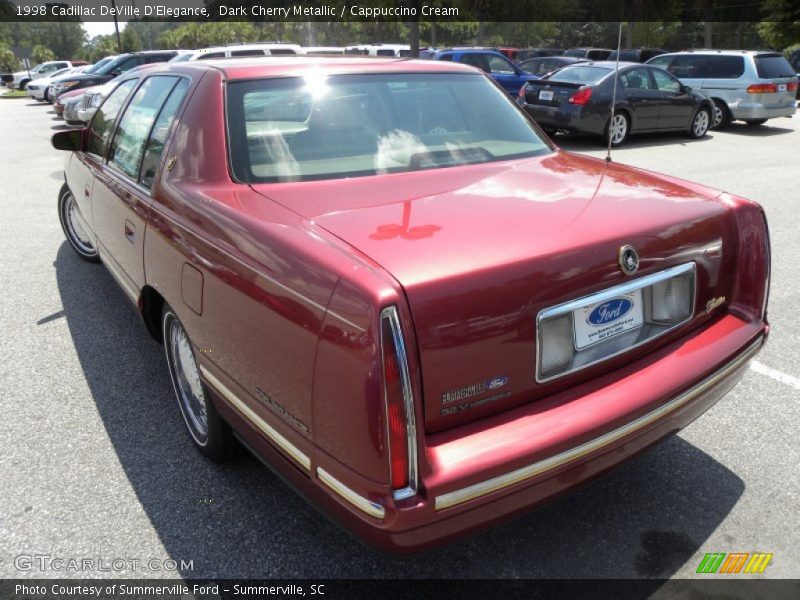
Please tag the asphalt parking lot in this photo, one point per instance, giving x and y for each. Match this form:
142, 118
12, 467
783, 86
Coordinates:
95, 463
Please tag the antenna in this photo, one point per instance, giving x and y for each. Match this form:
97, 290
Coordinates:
614, 93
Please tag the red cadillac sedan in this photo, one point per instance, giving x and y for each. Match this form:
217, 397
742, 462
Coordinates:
383, 279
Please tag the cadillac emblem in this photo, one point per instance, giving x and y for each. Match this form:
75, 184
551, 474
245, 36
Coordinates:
628, 260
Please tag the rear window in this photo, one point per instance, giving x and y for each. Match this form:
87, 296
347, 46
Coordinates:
580, 74
773, 66
575, 52
327, 127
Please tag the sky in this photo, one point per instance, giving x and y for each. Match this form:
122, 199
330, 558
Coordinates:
93, 29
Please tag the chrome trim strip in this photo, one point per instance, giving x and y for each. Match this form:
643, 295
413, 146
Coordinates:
260, 423
483, 488
371, 508
608, 294
390, 313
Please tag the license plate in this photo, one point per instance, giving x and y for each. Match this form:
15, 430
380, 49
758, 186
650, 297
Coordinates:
781, 87
546, 95
600, 321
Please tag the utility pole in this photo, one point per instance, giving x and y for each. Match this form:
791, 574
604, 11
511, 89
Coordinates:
116, 25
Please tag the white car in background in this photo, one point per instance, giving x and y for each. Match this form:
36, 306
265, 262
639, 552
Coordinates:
240, 51
39, 89
45, 69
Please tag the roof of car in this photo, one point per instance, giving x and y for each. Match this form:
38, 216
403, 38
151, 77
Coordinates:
276, 66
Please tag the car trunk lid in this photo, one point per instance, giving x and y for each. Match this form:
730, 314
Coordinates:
481, 250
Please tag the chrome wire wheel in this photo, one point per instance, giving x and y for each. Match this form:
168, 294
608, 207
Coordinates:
618, 129
75, 228
186, 378
700, 123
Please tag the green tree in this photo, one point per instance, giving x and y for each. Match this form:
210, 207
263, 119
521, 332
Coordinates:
8, 62
130, 40
41, 54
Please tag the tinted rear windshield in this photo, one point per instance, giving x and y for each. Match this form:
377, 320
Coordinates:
327, 127
773, 66
580, 74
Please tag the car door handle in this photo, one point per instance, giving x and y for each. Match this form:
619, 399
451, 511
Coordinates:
130, 231
86, 191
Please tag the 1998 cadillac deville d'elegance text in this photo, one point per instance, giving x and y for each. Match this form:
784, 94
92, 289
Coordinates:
397, 292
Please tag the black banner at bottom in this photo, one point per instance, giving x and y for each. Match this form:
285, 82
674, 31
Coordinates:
386, 589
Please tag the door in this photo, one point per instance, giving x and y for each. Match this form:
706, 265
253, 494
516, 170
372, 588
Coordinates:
642, 97
84, 165
121, 194
677, 105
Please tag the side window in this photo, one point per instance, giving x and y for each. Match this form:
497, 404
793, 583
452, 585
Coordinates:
447, 57
499, 65
133, 61
134, 127
724, 67
636, 79
474, 60
666, 82
545, 66
158, 137
243, 53
688, 66
103, 121
211, 55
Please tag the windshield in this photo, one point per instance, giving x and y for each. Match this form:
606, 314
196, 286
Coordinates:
181, 57
580, 74
325, 127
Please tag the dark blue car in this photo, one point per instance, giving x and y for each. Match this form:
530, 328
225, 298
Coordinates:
500, 68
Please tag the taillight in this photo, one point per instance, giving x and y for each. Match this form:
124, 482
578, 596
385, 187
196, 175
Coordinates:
751, 288
399, 407
521, 93
792, 86
581, 97
762, 88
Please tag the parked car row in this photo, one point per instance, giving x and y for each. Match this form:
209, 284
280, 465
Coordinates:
388, 283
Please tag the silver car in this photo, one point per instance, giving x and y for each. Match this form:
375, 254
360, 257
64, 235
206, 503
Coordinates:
746, 85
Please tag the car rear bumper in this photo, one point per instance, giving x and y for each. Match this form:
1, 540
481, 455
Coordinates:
758, 110
566, 117
480, 474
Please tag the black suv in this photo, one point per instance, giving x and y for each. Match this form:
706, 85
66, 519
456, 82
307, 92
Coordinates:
637, 55
117, 66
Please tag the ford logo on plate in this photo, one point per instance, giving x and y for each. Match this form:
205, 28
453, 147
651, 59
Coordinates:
495, 383
609, 311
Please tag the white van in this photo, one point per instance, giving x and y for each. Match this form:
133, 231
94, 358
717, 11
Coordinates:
240, 51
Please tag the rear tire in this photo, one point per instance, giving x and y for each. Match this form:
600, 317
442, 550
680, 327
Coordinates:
75, 229
755, 122
722, 115
208, 432
700, 123
618, 128
23, 83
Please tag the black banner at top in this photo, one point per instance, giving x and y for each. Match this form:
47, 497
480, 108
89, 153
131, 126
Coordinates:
443, 11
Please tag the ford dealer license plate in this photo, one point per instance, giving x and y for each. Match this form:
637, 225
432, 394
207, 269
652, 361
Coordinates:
597, 322
546, 95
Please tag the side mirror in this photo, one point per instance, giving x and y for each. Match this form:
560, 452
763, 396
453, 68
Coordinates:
71, 140
116, 72
686, 89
